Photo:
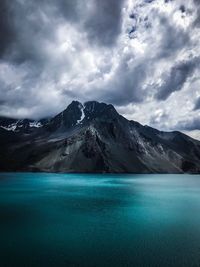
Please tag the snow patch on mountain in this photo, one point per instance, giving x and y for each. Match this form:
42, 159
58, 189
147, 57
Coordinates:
35, 124
82, 114
14, 127
11, 127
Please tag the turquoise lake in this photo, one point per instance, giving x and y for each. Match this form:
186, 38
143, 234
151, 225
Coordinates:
99, 220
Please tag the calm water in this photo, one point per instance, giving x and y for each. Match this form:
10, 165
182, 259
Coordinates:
99, 220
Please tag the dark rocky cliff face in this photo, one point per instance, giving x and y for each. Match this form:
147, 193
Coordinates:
94, 138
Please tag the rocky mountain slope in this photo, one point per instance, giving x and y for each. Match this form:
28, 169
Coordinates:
93, 137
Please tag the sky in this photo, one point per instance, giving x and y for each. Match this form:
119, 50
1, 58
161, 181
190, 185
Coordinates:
142, 56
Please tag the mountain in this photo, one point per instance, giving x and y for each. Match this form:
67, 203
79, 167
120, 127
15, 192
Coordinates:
93, 137
22, 126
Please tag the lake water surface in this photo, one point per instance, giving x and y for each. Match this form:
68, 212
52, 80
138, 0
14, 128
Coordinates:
99, 220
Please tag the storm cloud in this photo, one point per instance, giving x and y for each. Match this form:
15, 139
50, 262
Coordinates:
142, 56
197, 104
176, 78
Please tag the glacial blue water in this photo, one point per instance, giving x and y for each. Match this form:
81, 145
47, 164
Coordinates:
84, 220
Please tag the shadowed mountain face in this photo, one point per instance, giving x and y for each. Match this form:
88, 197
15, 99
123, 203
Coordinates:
94, 138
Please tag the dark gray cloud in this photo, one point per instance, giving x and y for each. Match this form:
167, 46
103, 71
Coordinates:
104, 23
24, 24
197, 104
7, 33
100, 19
23, 29
173, 38
196, 22
133, 54
176, 78
189, 125
130, 78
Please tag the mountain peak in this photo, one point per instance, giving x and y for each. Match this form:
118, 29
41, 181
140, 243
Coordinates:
96, 104
77, 113
93, 137
75, 103
94, 109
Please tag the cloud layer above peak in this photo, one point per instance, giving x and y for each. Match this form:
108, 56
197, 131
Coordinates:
142, 56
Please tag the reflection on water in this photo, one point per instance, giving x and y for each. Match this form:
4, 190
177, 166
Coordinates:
99, 220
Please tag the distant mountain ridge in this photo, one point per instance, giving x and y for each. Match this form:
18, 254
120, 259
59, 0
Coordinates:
94, 137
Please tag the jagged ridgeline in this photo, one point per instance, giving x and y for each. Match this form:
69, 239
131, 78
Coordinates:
93, 137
